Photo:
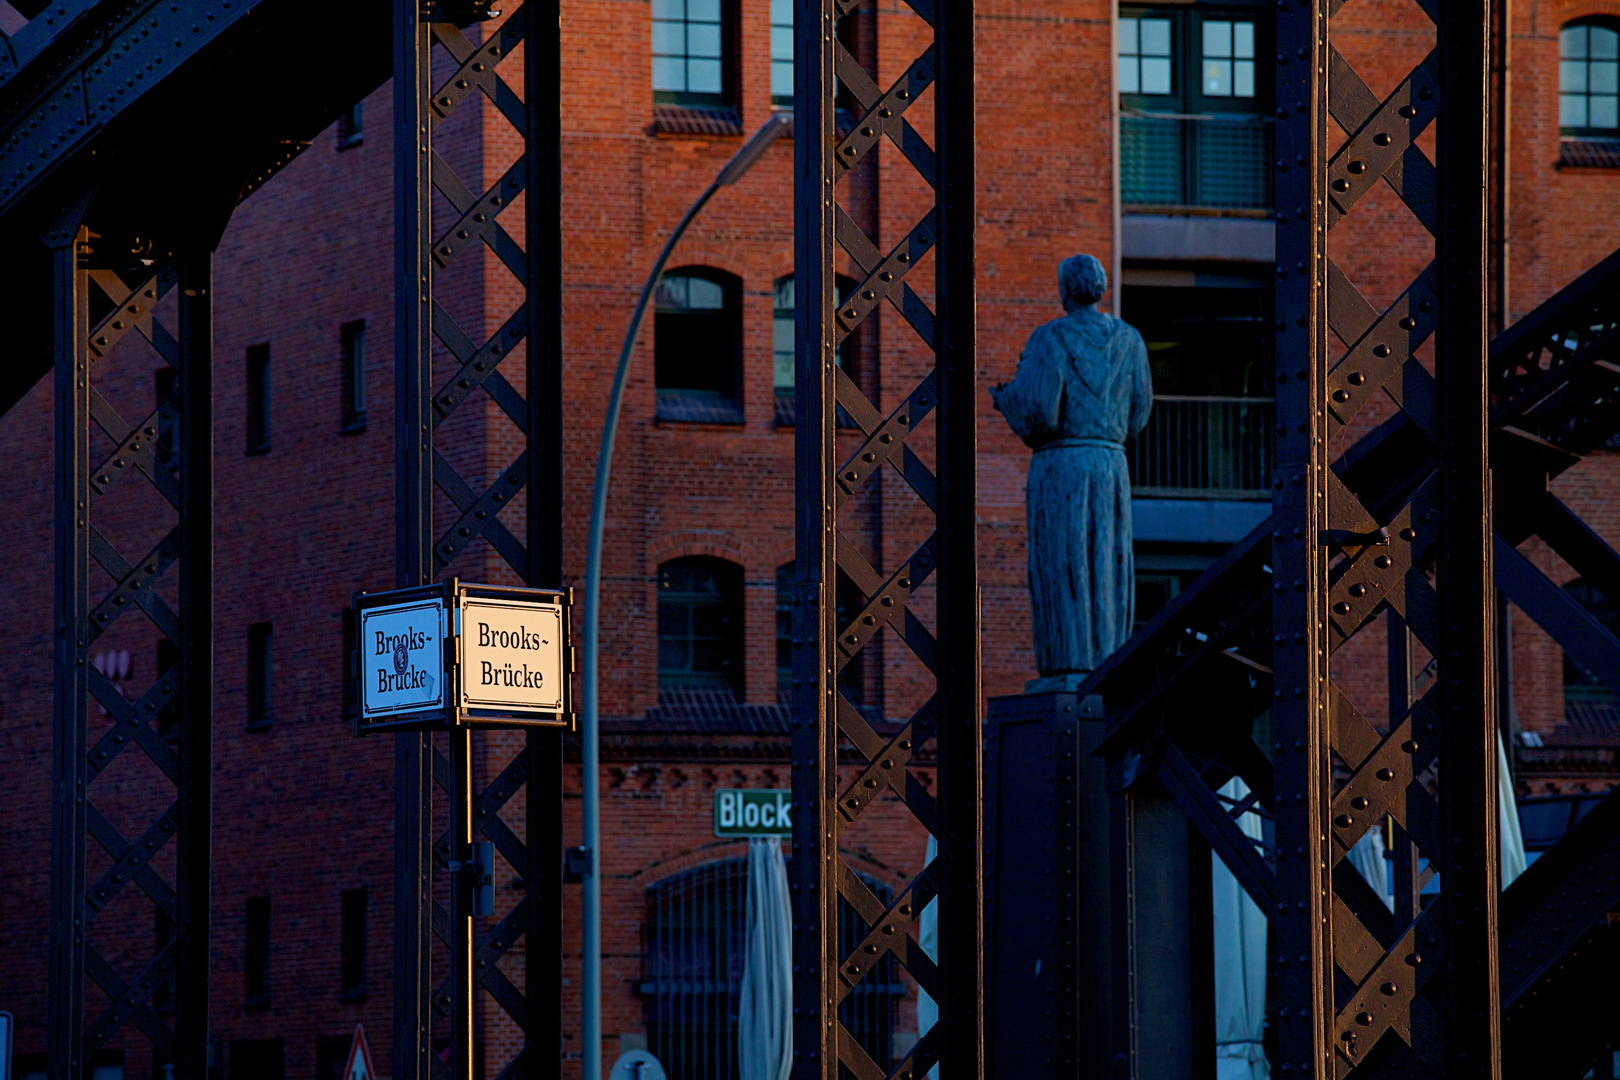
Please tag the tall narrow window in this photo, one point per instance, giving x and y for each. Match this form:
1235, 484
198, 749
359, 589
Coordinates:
352, 945
259, 670
1589, 79
697, 327
700, 624
168, 665
350, 128
690, 53
352, 344
259, 1059
782, 348
1580, 683
256, 954
163, 995
782, 369
782, 52
784, 627
258, 399
167, 447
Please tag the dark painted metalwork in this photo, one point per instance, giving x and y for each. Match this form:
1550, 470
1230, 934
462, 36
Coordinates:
80, 1024
1347, 540
426, 551
1466, 681
1553, 402
829, 808
195, 693
1045, 837
70, 811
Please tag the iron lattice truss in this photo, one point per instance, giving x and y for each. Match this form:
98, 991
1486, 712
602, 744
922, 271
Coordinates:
831, 481
95, 925
469, 66
1361, 986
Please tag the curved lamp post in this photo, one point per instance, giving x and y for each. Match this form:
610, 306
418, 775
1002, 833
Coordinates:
591, 980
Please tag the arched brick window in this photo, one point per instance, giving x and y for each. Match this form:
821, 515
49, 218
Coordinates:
1581, 684
700, 624
1589, 78
697, 329
696, 933
783, 372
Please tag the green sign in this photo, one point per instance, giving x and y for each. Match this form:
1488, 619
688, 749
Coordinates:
739, 812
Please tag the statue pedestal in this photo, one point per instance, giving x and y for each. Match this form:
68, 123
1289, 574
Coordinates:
1047, 911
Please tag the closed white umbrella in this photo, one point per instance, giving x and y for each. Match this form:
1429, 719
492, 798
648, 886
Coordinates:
1240, 964
928, 938
765, 1011
1507, 804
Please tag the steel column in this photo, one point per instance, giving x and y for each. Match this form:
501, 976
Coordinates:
1303, 886
194, 816
828, 804
1466, 683
69, 809
815, 865
961, 772
544, 396
475, 49
413, 531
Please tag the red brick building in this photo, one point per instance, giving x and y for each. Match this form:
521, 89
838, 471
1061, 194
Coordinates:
1176, 197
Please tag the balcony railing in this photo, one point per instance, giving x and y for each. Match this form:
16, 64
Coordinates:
1210, 160
1204, 446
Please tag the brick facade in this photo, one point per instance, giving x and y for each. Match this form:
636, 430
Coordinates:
304, 811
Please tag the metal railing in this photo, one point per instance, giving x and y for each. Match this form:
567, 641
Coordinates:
1204, 445
1182, 159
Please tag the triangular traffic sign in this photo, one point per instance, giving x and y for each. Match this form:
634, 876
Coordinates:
358, 1066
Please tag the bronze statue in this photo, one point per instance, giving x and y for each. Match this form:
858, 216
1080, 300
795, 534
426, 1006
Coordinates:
1082, 388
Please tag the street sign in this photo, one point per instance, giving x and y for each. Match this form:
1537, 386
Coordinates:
740, 812
358, 1067
512, 655
458, 654
401, 659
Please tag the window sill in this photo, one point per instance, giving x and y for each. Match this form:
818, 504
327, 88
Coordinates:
678, 408
785, 419
1196, 211
696, 120
353, 427
258, 725
1582, 152
357, 993
259, 450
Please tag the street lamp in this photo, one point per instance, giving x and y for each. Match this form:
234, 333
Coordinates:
591, 980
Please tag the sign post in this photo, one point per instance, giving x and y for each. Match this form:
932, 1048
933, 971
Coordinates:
461, 655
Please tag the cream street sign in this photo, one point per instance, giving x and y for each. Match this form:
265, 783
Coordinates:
512, 657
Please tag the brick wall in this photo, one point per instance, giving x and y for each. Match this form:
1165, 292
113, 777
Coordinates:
304, 811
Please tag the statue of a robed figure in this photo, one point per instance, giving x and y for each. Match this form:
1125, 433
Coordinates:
1082, 388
